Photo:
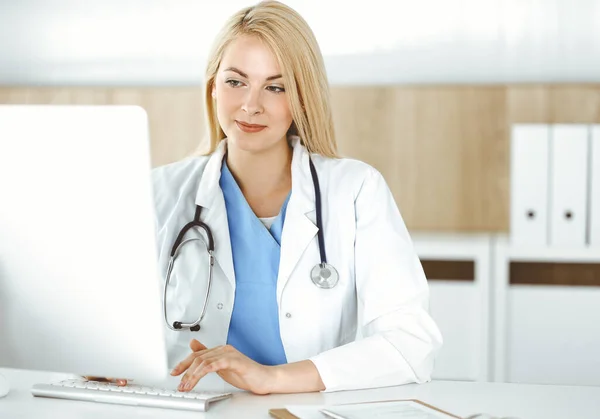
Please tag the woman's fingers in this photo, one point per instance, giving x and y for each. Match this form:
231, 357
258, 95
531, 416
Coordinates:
191, 366
185, 364
204, 365
197, 346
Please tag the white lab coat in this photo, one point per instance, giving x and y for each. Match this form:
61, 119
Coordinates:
365, 239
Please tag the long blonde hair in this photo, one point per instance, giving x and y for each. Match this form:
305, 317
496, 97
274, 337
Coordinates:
295, 47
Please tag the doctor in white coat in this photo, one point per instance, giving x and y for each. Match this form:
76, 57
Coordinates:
267, 326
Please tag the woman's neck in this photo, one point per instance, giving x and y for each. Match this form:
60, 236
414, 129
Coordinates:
264, 178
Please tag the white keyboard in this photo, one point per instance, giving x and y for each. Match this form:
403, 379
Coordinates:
131, 394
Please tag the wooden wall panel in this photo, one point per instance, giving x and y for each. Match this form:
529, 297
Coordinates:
442, 149
365, 130
554, 104
453, 158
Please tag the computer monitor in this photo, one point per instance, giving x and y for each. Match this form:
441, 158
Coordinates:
79, 286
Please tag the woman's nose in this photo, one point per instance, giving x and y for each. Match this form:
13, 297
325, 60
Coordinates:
252, 102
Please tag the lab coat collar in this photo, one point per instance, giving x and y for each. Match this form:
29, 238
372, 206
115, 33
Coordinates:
302, 185
214, 213
298, 230
209, 192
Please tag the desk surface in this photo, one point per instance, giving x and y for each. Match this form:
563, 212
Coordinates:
461, 398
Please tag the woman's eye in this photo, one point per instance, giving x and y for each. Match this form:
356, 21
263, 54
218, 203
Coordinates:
276, 89
234, 83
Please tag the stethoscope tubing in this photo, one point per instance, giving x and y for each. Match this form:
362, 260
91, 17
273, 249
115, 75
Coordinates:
316, 274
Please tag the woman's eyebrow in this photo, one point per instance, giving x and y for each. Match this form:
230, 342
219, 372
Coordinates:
241, 73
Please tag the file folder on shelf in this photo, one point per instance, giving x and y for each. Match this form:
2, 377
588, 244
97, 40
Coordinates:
594, 197
529, 184
568, 185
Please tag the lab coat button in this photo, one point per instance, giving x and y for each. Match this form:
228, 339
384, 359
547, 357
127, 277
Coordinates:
220, 306
288, 315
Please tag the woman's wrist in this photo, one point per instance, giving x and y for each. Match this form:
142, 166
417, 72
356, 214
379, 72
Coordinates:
297, 377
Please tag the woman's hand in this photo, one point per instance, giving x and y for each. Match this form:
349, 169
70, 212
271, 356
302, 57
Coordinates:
231, 365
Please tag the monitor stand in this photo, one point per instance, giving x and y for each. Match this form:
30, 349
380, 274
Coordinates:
4, 386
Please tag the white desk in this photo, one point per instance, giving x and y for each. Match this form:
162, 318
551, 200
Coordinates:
461, 398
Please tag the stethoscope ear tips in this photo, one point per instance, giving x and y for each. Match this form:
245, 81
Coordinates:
179, 326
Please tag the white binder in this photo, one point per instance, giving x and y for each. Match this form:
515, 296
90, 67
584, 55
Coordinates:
529, 184
594, 215
568, 185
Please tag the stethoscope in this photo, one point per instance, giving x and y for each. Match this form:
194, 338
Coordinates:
323, 275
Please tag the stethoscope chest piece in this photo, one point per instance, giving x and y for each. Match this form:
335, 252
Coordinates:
324, 275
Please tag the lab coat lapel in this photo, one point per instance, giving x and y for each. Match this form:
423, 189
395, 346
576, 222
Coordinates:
298, 229
214, 212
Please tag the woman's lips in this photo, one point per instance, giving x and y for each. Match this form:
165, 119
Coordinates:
249, 127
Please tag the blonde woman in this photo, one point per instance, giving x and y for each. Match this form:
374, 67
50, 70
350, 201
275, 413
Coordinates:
298, 238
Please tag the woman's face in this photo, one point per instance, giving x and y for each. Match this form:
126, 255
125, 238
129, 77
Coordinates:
252, 106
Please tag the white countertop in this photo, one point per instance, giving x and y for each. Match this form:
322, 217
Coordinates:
461, 398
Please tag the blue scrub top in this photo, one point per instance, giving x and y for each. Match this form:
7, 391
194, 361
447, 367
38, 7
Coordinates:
254, 326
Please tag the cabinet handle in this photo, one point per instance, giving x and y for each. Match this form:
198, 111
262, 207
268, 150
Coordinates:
531, 214
568, 215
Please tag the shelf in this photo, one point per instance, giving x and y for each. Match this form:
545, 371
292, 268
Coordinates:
551, 254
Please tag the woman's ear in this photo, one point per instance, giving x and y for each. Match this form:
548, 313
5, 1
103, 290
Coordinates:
213, 92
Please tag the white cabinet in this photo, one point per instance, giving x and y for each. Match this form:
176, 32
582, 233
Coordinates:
460, 307
497, 331
553, 335
545, 334
456, 308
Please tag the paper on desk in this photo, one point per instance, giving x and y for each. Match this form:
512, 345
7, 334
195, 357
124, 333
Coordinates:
385, 410
307, 412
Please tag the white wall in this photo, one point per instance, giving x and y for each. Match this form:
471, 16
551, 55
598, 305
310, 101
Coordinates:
377, 41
